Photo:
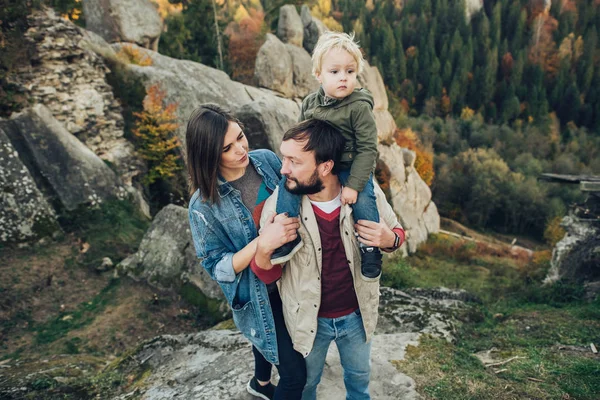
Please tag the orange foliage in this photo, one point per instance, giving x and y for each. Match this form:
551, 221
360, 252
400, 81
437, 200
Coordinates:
424, 158
133, 55
507, 65
245, 39
157, 141
554, 232
543, 49
445, 104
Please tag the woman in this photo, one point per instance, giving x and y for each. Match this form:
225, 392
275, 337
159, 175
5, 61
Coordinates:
229, 186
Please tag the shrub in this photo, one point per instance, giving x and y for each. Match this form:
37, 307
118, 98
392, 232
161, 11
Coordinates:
158, 142
132, 55
424, 157
554, 232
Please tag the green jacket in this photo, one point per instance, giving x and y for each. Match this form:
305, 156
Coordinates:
353, 117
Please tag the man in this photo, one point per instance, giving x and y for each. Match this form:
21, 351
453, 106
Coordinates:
324, 298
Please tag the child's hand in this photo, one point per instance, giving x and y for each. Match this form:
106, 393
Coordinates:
349, 195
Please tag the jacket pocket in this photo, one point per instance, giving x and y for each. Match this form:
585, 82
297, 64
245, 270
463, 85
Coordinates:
246, 320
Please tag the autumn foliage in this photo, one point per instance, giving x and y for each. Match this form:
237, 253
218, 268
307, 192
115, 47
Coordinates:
157, 141
245, 39
134, 55
424, 162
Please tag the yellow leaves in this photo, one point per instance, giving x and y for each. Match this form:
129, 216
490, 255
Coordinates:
240, 14
165, 8
155, 129
466, 114
407, 138
133, 55
554, 232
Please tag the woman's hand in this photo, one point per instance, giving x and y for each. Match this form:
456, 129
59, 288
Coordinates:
374, 234
349, 195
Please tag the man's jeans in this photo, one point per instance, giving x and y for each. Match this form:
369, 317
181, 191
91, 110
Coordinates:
355, 355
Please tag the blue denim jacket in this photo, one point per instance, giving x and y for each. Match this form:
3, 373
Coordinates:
219, 231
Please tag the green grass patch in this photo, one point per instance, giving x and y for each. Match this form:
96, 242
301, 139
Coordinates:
114, 229
209, 309
549, 328
85, 313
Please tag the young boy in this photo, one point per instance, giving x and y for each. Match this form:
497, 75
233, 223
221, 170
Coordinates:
337, 60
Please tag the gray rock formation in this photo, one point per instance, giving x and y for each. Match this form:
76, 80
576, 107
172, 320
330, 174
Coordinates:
217, 364
69, 78
302, 77
576, 258
273, 68
24, 212
74, 174
166, 257
190, 84
289, 28
135, 21
313, 28
410, 196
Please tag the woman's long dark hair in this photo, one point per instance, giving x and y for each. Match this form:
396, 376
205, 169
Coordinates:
204, 139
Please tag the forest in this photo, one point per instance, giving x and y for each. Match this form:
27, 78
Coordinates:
490, 98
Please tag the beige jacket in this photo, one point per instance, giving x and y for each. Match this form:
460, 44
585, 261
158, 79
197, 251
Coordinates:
300, 284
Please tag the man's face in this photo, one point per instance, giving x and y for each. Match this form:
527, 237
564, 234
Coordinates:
300, 168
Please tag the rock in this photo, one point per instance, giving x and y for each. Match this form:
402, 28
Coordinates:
266, 120
274, 69
386, 126
304, 82
289, 28
166, 257
313, 28
135, 21
472, 7
217, 364
190, 84
106, 265
74, 174
24, 212
410, 197
371, 79
576, 258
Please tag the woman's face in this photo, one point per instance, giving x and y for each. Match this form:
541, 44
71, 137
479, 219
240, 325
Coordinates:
234, 158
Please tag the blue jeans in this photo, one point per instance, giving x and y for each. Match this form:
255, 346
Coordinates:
355, 355
364, 208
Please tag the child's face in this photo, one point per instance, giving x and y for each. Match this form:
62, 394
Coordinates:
338, 73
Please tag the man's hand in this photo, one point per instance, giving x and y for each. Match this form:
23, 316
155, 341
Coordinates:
349, 195
278, 230
374, 234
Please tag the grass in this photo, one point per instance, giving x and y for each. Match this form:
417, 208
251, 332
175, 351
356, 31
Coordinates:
549, 328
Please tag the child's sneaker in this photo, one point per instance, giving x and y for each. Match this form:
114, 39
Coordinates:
266, 392
370, 265
284, 253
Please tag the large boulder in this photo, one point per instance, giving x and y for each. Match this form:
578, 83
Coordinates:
72, 173
304, 81
190, 84
371, 79
289, 28
70, 78
313, 28
166, 257
135, 21
576, 258
410, 195
24, 212
274, 68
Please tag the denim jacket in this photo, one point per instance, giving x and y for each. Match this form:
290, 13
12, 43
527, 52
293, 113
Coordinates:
219, 231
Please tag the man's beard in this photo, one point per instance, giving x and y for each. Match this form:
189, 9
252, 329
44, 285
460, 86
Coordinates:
314, 185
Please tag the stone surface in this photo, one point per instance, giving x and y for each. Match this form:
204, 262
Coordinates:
313, 28
273, 68
74, 173
166, 257
217, 364
190, 84
371, 79
576, 257
135, 21
24, 212
289, 27
69, 78
410, 197
304, 82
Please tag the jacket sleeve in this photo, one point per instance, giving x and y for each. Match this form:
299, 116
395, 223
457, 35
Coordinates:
214, 255
365, 131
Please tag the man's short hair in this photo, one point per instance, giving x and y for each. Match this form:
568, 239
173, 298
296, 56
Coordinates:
336, 40
322, 138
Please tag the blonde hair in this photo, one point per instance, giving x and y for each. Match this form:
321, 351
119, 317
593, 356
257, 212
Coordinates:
336, 40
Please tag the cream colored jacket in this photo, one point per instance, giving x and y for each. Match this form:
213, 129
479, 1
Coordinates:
300, 284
